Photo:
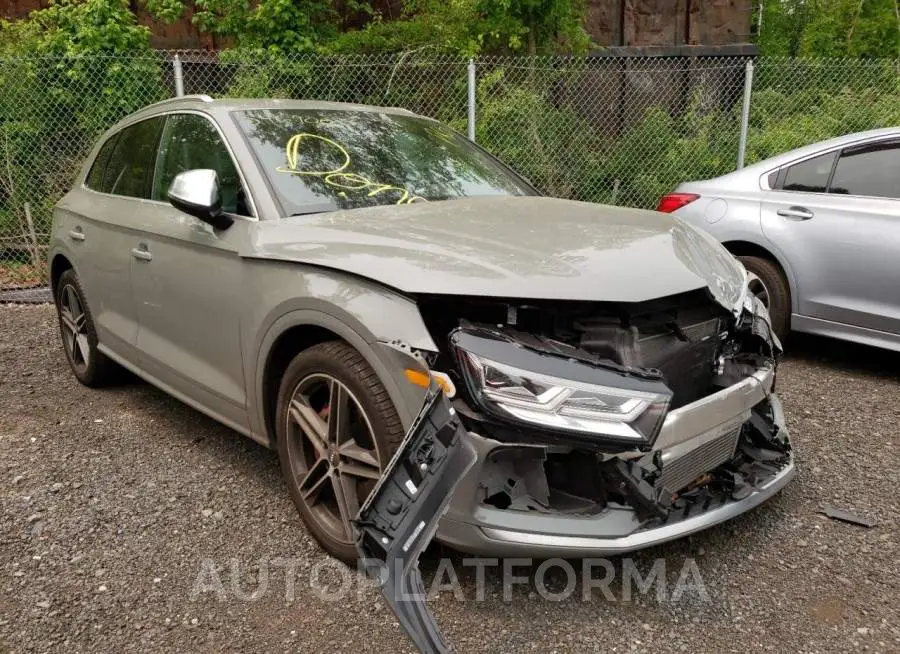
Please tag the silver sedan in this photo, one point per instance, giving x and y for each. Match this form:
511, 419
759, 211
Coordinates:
818, 230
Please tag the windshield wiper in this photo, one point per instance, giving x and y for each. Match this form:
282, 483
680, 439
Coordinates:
311, 212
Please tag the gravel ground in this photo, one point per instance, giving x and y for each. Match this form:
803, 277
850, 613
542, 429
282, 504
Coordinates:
122, 507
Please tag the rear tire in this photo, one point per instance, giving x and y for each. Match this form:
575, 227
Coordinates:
767, 282
337, 429
79, 336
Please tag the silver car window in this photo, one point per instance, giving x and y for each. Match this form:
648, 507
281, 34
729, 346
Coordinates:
94, 179
809, 176
870, 170
130, 167
191, 141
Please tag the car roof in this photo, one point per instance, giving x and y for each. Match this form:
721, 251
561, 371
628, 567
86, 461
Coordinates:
749, 176
813, 148
207, 104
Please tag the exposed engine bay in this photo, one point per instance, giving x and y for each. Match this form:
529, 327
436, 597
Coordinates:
663, 355
657, 418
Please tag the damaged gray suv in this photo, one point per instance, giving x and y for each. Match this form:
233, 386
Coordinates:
367, 291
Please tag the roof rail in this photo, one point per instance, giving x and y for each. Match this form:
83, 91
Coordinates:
201, 97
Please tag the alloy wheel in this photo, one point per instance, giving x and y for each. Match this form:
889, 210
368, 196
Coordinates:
332, 451
74, 327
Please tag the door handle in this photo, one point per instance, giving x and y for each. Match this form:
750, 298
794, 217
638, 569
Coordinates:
76, 234
795, 213
141, 252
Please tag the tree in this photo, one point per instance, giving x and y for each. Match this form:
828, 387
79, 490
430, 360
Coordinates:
74, 27
284, 26
472, 27
831, 28
56, 99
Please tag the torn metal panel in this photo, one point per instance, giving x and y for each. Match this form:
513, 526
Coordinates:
400, 516
845, 516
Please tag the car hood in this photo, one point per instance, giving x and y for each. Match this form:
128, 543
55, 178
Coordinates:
511, 247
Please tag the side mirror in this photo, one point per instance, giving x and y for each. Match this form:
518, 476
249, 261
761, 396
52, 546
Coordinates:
196, 192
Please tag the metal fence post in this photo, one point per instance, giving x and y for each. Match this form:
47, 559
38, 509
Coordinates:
745, 113
472, 100
179, 76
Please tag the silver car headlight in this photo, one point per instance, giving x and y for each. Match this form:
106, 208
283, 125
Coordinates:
589, 401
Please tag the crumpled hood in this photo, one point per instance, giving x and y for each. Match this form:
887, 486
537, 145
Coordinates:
511, 247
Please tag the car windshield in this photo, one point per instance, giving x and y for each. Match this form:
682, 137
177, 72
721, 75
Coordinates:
325, 160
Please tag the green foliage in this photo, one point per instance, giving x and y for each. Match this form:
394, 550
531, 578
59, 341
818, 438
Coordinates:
380, 36
286, 26
75, 27
473, 27
660, 148
565, 155
167, 11
264, 73
70, 85
783, 120
545, 143
831, 28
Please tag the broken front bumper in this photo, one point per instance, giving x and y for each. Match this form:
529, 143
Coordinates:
689, 436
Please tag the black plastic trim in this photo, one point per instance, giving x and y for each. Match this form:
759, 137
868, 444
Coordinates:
401, 515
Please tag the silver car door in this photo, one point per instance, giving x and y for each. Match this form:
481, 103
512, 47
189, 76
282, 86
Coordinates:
102, 217
187, 279
839, 246
865, 190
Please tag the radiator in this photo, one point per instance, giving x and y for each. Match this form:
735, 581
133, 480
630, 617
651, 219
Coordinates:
678, 473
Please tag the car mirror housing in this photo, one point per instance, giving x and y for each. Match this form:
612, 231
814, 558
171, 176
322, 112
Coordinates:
196, 192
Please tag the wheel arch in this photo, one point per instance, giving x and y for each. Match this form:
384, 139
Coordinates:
58, 265
299, 330
742, 248
286, 346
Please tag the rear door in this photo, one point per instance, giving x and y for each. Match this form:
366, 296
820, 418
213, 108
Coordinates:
836, 217
187, 277
113, 205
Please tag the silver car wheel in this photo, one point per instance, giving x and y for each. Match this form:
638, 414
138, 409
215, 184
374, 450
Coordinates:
332, 451
756, 287
74, 323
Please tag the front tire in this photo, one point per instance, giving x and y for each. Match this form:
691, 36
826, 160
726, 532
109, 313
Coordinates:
767, 282
79, 336
337, 429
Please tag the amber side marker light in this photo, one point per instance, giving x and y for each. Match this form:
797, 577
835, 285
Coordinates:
424, 380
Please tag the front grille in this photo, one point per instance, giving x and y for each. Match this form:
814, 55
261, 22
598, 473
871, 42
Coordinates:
677, 474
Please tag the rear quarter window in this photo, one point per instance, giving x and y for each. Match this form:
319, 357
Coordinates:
94, 179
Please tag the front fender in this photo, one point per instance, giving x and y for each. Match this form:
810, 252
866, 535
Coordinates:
384, 326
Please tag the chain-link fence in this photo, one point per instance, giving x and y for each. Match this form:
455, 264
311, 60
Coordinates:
613, 129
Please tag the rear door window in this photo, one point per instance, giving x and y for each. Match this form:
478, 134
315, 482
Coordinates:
129, 171
869, 170
810, 176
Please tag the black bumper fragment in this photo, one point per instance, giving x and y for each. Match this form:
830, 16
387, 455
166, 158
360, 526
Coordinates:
401, 515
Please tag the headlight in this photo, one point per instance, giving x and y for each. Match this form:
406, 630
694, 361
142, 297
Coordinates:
563, 395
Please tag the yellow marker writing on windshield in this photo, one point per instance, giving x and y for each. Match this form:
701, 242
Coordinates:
336, 177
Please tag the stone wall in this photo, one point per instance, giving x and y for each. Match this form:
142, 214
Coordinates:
663, 23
